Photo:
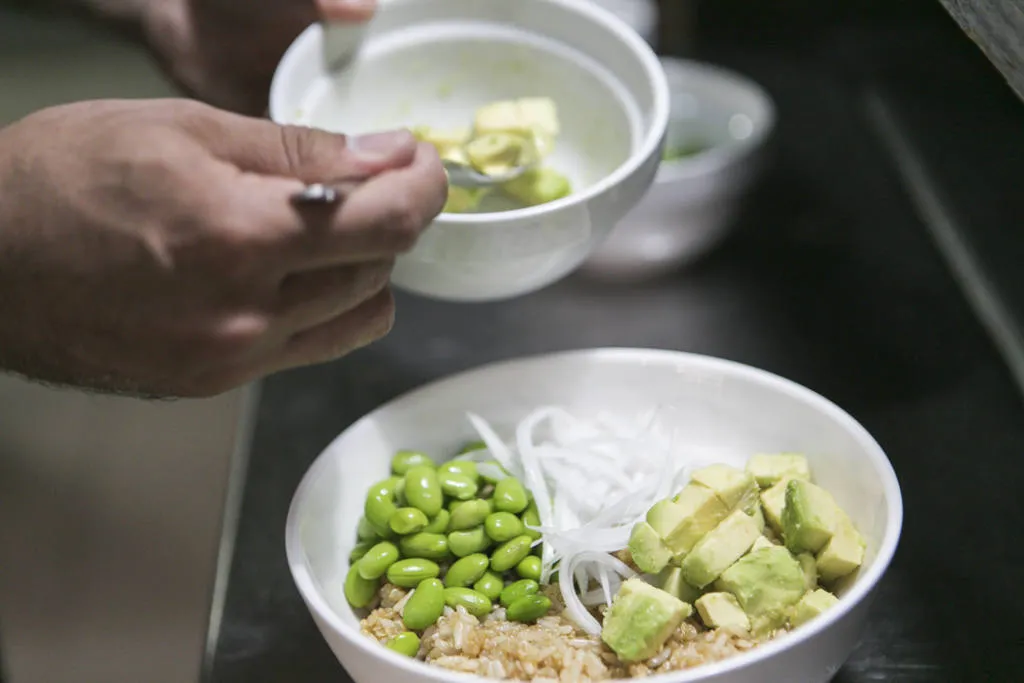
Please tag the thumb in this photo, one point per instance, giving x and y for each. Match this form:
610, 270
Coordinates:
355, 11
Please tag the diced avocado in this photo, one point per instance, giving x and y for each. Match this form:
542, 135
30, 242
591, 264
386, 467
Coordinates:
722, 610
758, 516
448, 143
641, 619
719, 549
809, 516
761, 542
536, 117
538, 186
702, 512
672, 582
770, 469
733, 486
540, 114
766, 583
843, 553
463, 199
665, 516
811, 605
773, 501
810, 569
648, 550
495, 154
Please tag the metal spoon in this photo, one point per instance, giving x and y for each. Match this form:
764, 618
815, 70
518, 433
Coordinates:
462, 175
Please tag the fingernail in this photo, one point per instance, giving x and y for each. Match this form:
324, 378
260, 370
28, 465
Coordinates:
350, 9
380, 143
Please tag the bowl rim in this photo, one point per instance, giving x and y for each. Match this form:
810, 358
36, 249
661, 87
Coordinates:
861, 589
718, 157
654, 133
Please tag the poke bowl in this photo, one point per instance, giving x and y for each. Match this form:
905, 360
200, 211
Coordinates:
564, 87
595, 515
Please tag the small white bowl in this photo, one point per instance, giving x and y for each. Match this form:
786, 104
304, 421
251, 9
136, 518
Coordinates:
694, 200
641, 15
434, 62
740, 409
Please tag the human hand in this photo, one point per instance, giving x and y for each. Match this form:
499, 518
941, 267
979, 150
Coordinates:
225, 51
151, 247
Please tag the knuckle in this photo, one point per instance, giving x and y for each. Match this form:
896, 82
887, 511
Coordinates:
231, 339
406, 221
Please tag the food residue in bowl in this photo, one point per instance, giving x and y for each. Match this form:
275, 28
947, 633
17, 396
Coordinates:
505, 135
684, 150
586, 550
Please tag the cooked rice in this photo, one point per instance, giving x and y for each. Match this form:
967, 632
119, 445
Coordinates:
552, 650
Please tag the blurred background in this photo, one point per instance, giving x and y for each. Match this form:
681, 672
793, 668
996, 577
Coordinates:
877, 260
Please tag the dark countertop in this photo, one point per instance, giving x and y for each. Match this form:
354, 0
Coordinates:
831, 280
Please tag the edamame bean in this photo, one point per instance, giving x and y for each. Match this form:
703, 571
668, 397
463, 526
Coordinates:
457, 486
503, 526
528, 609
423, 490
409, 573
426, 545
380, 505
403, 461
463, 543
466, 571
365, 530
473, 602
377, 560
469, 514
407, 644
517, 590
531, 517
529, 568
400, 494
407, 521
425, 606
439, 524
491, 585
490, 479
510, 496
510, 553
359, 551
466, 467
359, 592
471, 446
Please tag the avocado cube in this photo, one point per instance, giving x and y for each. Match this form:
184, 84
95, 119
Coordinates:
809, 517
463, 199
843, 553
810, 568
810, 606
538, 186
773, 500
722, 610
649, 552
672, 582
495, 154
641, 619
702, 511
758, 516
765, 582
533, 117
770, 469
733, 486
719, 549
761, 542
664, 516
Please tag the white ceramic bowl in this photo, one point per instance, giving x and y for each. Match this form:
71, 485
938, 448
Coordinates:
732, 406
641, 16
693, 202
434, 62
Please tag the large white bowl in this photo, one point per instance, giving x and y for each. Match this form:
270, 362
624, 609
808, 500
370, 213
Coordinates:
694, 201
737, 408
434, 62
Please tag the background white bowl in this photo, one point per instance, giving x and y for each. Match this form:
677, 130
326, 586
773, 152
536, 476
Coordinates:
694, 201
641, 15
434, 62
719, 403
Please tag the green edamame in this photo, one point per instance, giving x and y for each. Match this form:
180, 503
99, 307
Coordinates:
517, 590
491, 585
510, 496
531, 517
407, 521
466, 571
471, 446
365, 531
423, 490
359, 550
377, 559
503, 526
463, 543
439, 524
466, 467
380, 505
409, 573
528, 609
510, 553
469, 514
407, 644
403, 461
473, 602
457, 486
400, 500
425, 606
359, 592
425, 545
529, 568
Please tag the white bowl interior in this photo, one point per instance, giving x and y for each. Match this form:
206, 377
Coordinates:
732, 408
